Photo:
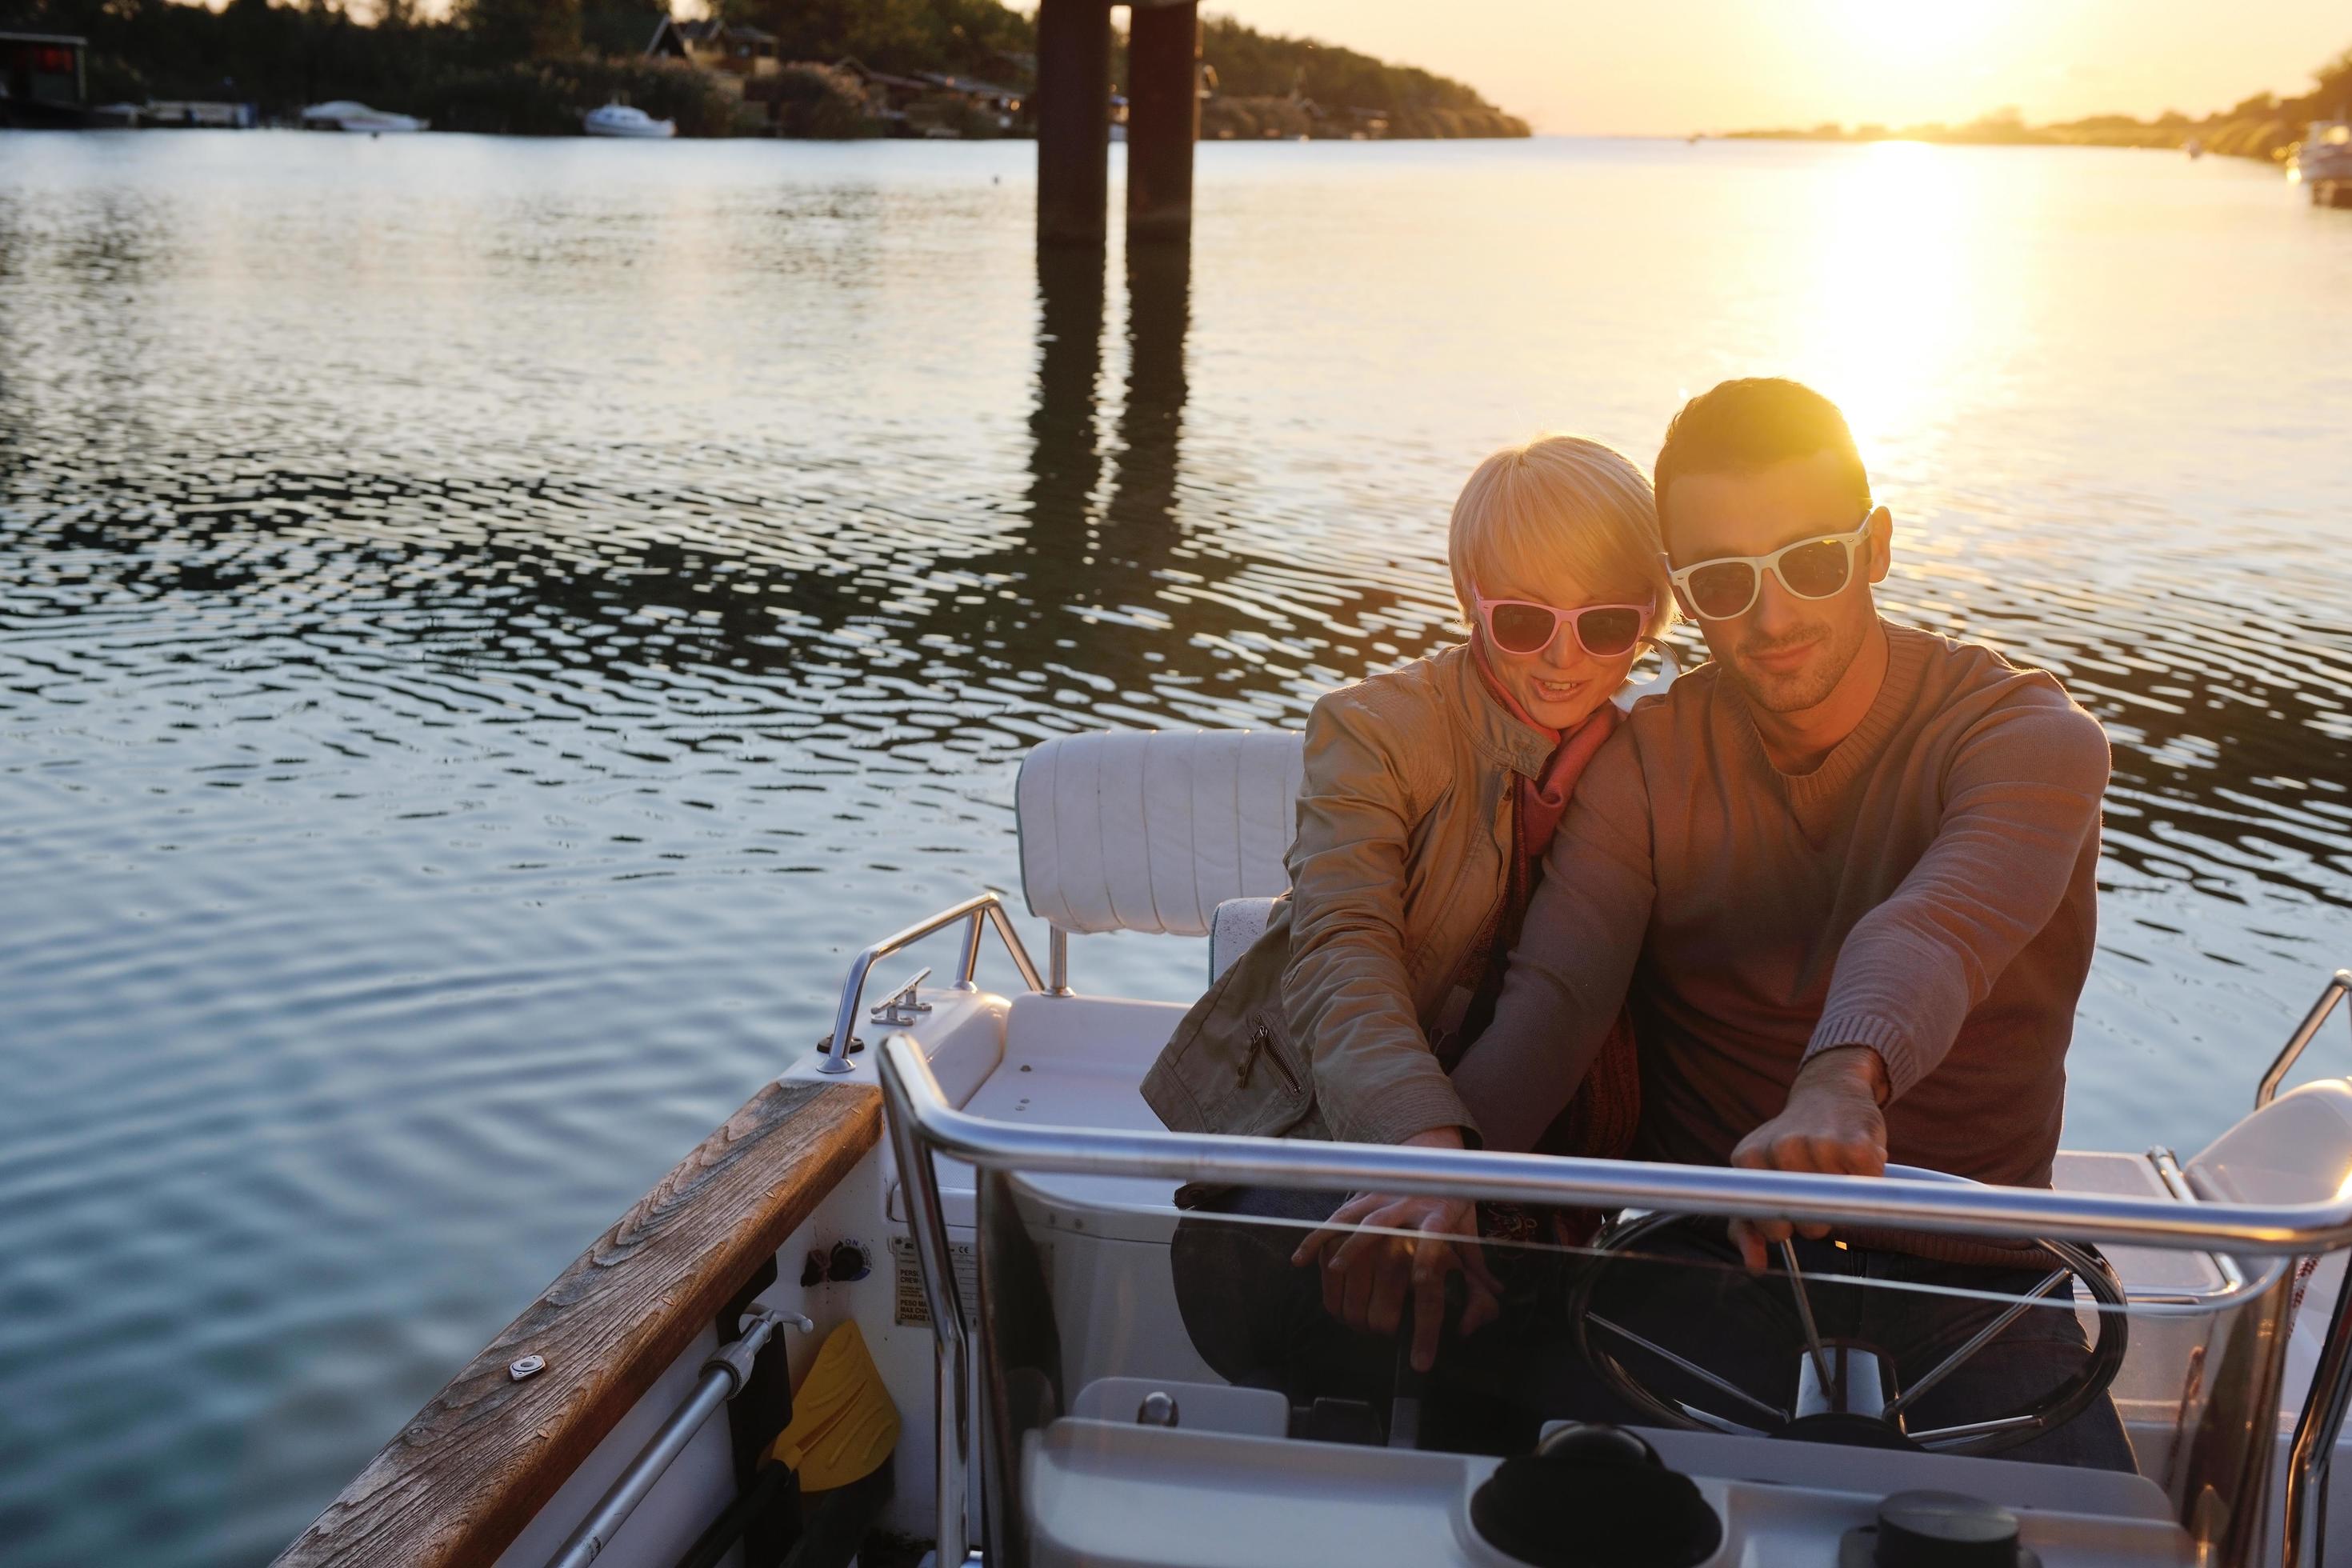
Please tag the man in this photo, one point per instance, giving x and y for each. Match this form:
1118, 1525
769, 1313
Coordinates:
1845, 876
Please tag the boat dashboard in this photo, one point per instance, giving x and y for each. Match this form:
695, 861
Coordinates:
1203, 1476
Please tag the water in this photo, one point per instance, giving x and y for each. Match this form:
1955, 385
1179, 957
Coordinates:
487, 628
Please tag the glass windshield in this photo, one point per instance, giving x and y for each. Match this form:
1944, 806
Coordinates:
2137, 1382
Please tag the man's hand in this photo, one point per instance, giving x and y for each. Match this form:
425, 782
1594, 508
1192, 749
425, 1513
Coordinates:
1366, 1275
1831, 1124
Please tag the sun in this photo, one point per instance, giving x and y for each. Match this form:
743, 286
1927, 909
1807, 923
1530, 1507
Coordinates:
1905, 32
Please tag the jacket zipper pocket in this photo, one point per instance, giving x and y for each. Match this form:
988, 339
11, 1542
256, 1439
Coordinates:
1261, 1041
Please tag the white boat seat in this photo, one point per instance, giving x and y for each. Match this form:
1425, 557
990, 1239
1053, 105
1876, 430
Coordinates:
2295, 1150
1151, 830
1235, 926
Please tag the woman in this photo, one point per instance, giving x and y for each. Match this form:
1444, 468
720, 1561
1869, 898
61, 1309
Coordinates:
1430, 795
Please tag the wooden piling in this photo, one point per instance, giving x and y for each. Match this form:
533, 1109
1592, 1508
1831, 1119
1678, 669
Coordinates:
1073, 98
1163, 118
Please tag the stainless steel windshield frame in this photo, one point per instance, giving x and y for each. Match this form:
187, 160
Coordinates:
2258, 1230
923, 1124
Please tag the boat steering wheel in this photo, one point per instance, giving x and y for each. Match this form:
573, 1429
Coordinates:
1847, 1384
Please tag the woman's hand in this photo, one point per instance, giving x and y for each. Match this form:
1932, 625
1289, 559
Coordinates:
1367, 1272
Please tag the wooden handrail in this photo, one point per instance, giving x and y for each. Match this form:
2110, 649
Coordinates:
463, 1478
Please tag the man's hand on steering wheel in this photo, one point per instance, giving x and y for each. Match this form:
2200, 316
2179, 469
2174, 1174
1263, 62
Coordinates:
1833, 1124
1367, 1274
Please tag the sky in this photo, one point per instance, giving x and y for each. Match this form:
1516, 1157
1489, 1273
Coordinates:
1669, 67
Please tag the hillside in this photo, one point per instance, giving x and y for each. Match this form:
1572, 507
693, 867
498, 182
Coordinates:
1269, 85
528, 66
1262, 83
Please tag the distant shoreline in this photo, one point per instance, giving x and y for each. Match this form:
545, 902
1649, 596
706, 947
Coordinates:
2264, 127
2134, 135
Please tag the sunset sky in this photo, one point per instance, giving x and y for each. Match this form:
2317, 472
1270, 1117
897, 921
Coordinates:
1664, 66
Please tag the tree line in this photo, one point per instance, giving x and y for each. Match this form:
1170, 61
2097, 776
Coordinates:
530, 65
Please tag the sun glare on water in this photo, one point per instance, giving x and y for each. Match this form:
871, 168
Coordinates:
1896, 305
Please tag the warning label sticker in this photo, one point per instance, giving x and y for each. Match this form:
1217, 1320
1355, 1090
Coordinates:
911, 1307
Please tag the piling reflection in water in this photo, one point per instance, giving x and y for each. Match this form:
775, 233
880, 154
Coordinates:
1152, 425
1066, 460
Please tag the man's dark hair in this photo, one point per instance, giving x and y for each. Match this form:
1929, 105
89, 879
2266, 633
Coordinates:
1753, 423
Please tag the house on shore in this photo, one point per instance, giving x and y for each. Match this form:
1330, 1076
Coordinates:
43, 80
746, 63
935, 104
734, 53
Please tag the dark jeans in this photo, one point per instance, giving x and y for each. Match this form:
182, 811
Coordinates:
1260, 1322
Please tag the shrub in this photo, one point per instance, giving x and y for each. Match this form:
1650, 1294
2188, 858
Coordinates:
806, 98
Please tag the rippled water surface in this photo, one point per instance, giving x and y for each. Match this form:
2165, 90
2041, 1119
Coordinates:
487, 627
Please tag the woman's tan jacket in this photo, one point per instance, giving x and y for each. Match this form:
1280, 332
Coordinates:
1330, 1026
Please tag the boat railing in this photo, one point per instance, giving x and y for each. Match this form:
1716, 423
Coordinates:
979, 910
2304, 1032
921, 1122
2255, 1230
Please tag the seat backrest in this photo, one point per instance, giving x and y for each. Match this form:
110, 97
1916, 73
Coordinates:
2295, 1150
1151, 830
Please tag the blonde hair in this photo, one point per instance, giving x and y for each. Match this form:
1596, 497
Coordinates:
1559, 503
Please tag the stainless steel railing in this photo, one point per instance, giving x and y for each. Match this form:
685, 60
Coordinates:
2304, 1032
981, 908
2246, 1229
922, 1122
723, 1377
907, 1092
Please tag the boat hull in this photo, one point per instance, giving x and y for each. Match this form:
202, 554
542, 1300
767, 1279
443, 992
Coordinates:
633, 129
404, 126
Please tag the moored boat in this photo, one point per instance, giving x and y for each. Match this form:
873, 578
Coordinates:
964, 1187
626, 120
2323, 163
346, 114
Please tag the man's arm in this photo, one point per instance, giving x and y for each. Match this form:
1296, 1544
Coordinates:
2022, 799
1577, 948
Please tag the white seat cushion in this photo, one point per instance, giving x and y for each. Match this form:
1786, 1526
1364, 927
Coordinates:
1151, 830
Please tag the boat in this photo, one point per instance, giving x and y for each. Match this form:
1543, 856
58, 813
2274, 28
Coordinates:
625, 119
344, 114
933, 1253
2323, 163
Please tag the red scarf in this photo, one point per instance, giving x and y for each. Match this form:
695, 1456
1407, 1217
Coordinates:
1543, 800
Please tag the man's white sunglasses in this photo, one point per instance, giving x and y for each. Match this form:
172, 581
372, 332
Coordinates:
1728, 586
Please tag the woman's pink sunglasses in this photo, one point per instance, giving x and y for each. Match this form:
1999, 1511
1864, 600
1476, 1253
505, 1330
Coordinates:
1522, 625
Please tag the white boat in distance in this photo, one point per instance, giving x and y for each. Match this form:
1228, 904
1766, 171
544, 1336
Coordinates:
345, 114
624, 119
2323, 163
